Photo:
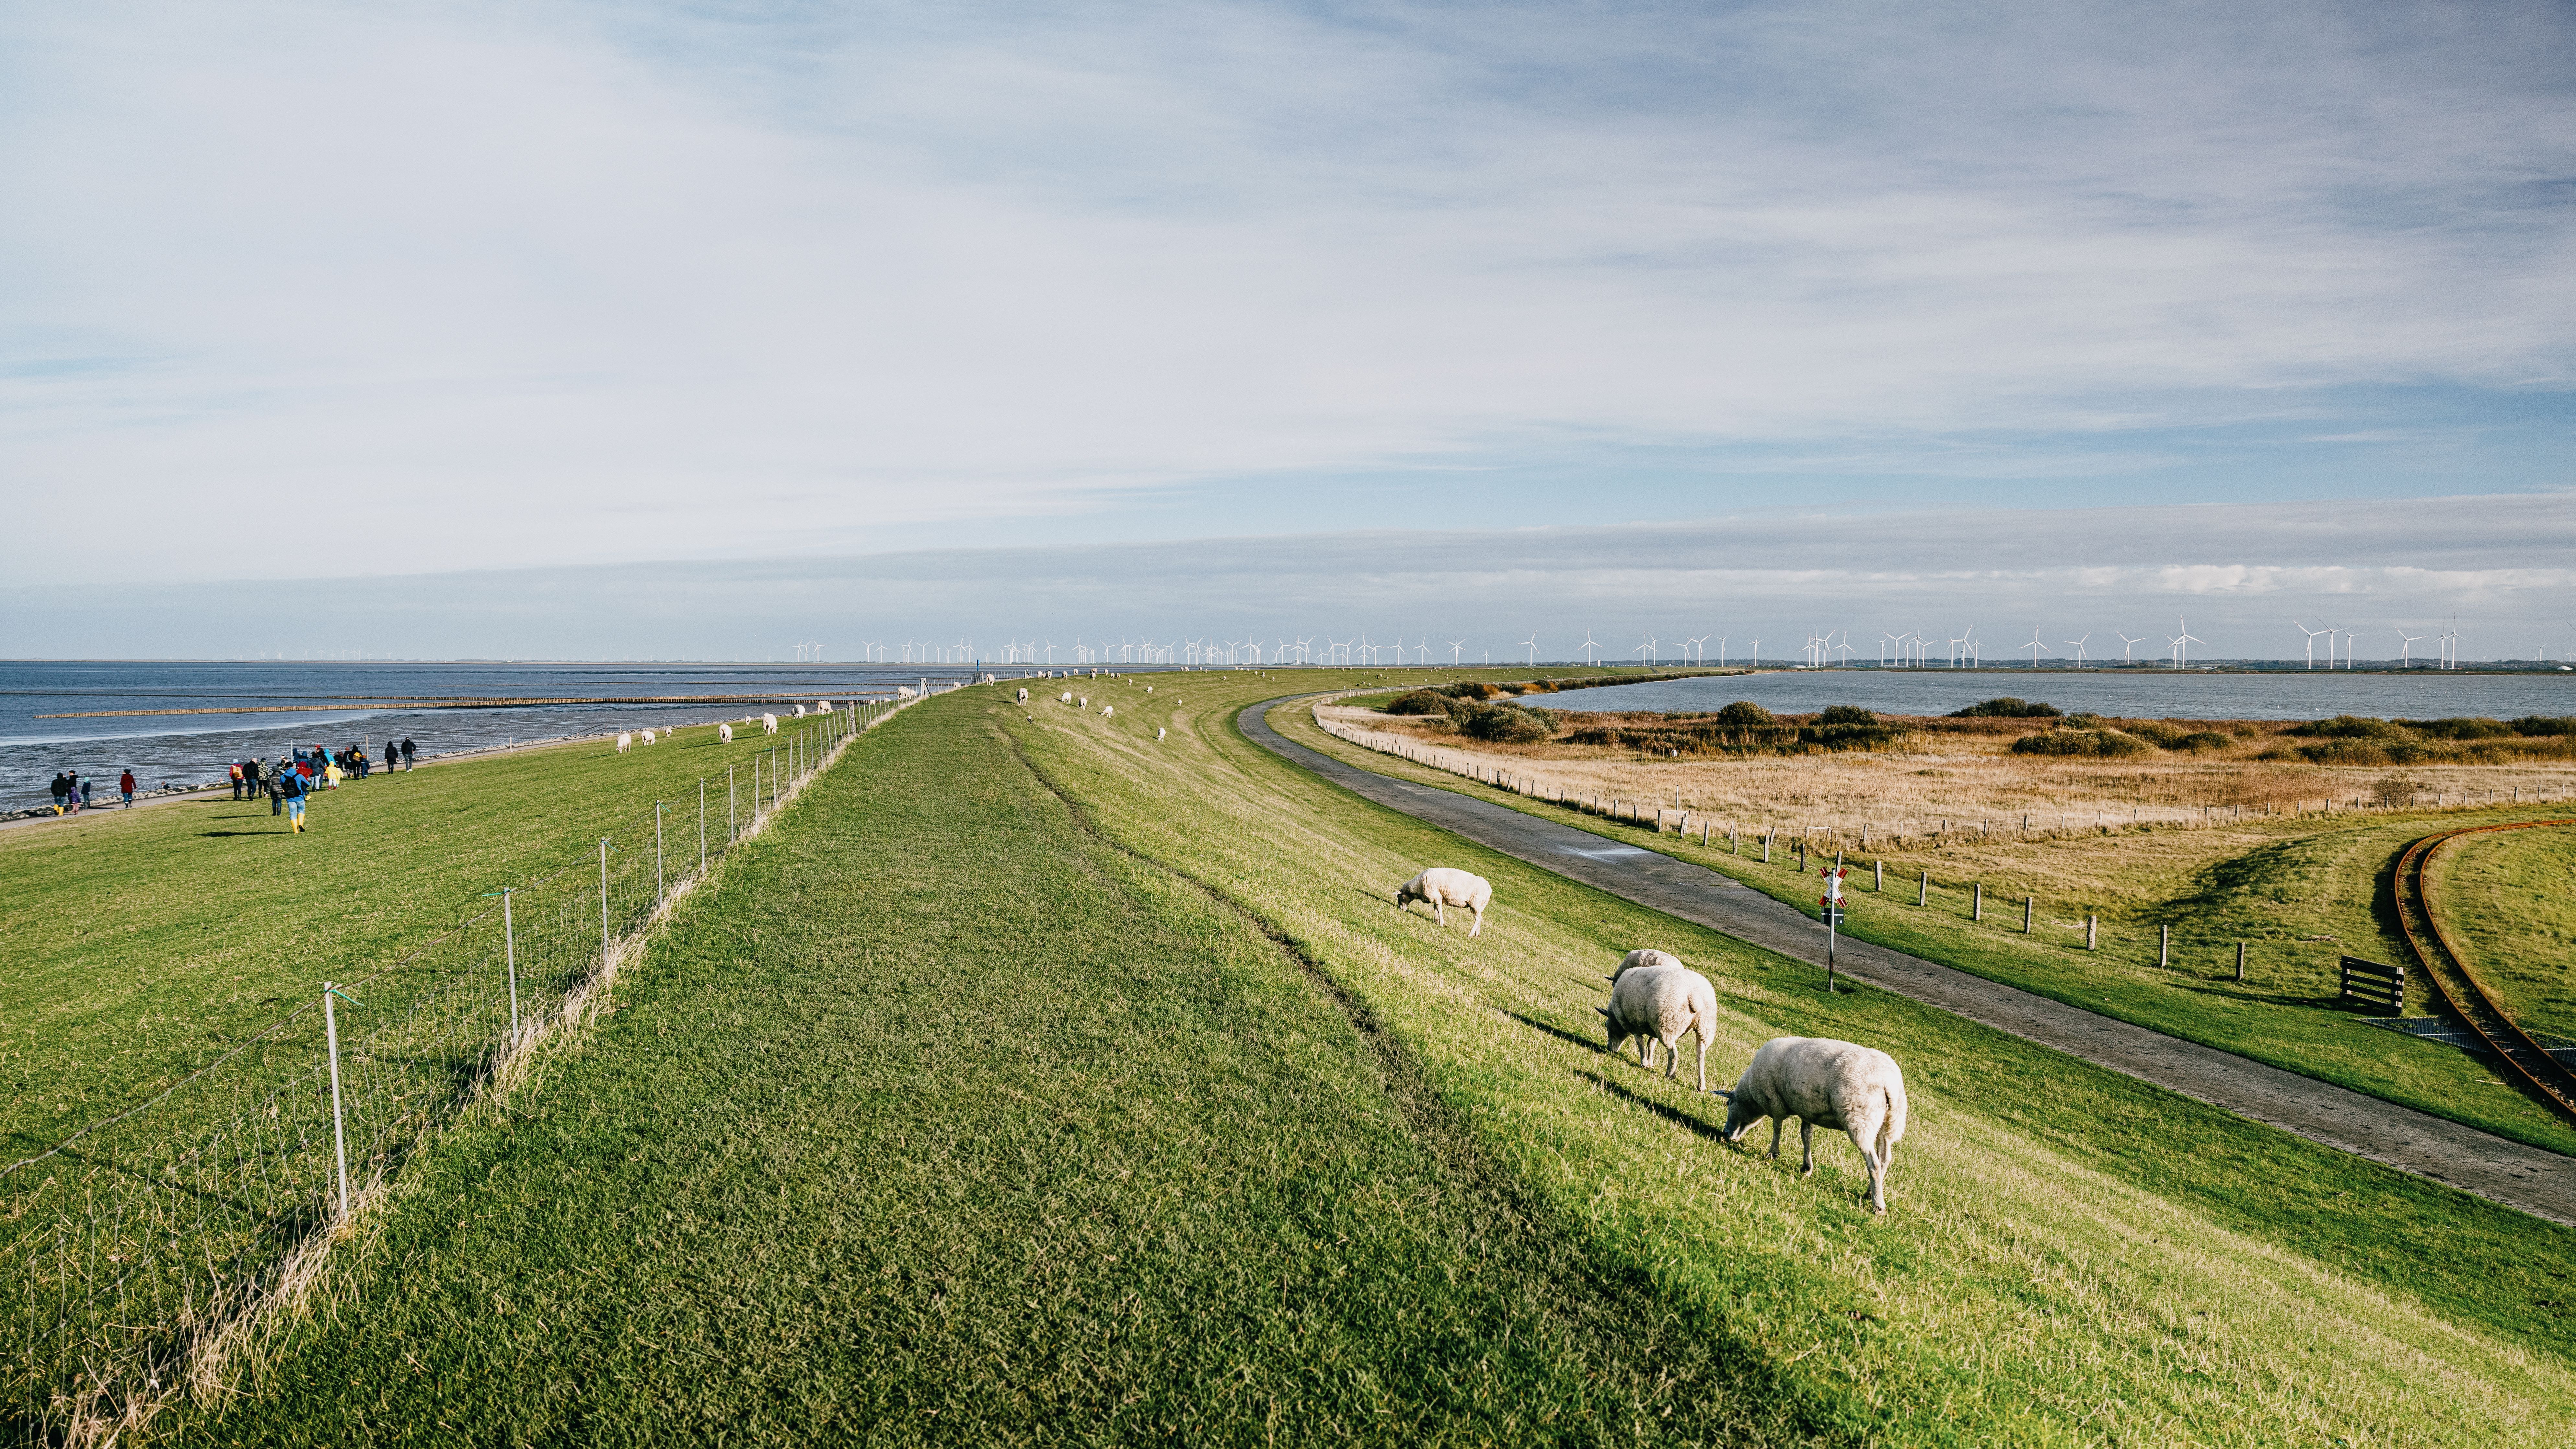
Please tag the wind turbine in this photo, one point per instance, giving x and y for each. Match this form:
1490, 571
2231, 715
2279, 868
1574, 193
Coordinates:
1457, 649
2181, 644
1531, 644
1645, 648
2127, 643
1590, 651
1698, 645
2405, 644
2035, 647
1754, 656
2079, 650
1845, 647
2312, 644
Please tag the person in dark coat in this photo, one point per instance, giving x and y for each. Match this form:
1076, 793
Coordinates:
125, 787
407, 752
393, 756
62, 790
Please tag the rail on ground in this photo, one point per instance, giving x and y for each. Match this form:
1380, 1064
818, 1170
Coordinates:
2524, 1060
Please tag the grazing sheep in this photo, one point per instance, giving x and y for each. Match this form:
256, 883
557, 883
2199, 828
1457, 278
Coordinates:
724, 732
1024, 696
1085, 702
1647, 957
1828, 1083
1442, 886
648, 737
904, 691
1655, 1001
1107, 710
769, 724
625, 742
822, 706
1158, 732
800, 711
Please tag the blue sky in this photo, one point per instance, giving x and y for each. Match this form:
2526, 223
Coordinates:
553, 286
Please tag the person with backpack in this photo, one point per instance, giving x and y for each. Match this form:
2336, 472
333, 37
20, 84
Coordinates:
291, 790
125, 787
80, 793
407, 752
250, 778
277, 774
237, 780
62, 788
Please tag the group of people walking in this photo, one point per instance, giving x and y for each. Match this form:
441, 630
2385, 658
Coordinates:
294, 778
71, 792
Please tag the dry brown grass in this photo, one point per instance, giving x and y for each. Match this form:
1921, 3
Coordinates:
1963, 772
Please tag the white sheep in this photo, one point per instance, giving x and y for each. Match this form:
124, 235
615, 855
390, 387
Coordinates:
800, 711
822, 706
1065, 698
769, 724
1442, 886
904, 691
648, 737
1158, 732
1655, 998
1826, 1083
625, 742
1107, 710
724, 732
1024, 696
1086, 702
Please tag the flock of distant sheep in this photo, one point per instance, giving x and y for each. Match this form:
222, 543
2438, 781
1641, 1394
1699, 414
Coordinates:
629, 739
1655, 999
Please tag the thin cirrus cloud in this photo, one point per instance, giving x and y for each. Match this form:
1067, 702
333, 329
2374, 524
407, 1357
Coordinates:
2496, 568
569, 284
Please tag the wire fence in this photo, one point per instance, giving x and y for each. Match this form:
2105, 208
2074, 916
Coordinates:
134, 1249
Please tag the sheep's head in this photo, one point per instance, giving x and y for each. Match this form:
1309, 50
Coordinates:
1407, 893
1741, 1116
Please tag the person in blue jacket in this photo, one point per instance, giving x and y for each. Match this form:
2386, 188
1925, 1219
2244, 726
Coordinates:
290, 790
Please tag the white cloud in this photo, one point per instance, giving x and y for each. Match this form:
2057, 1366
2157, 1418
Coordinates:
544, 284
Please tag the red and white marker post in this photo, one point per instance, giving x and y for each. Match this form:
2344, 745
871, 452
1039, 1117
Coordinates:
1832, 901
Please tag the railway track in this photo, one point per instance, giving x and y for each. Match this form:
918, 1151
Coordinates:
2447, 967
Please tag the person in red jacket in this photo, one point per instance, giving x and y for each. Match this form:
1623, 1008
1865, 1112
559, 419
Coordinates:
125, 787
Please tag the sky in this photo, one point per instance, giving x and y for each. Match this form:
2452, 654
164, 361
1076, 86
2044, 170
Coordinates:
1701, 318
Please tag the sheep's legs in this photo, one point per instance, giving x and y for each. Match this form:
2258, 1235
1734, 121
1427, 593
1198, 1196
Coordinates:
1703, 1060
1807, 1147
1646, 1051
1478, 928
1877, 1175
1672, 1056
1776, 1124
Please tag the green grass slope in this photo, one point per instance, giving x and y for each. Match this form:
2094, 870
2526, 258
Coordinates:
2301, 893
142, 943
2509, 902
944, 1119
1044, 1082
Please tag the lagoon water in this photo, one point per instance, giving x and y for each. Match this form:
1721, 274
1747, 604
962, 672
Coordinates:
2138, 694
340, 704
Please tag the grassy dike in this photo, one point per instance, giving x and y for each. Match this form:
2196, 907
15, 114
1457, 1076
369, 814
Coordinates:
1040, 1081
143, 943
2300, 892
941, 1117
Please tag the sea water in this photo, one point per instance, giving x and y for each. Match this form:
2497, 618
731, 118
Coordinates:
2136, 694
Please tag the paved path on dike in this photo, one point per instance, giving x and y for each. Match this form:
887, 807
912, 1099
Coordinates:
2536, 1180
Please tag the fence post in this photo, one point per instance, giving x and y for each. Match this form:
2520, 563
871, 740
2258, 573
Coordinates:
2029, 905
661, 892
1766, 847
510, 954
1977, 903
339, 1134
1878, 874
1923, 888
733, 832
702, 825
2089, 923
2164, 946
2240, 960
603, 902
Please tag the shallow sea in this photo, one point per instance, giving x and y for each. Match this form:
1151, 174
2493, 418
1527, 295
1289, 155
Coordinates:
339, 704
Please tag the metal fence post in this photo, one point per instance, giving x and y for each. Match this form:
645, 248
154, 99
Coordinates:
702, 825
339, 1134
510, 954
603, 900
661, 893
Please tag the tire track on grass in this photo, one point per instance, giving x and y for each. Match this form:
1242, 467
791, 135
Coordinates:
1597, 1292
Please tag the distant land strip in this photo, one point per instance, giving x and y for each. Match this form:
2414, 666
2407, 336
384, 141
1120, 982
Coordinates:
496, 703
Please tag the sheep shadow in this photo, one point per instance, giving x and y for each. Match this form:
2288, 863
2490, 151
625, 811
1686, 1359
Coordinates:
1666, 1110
1560, 1033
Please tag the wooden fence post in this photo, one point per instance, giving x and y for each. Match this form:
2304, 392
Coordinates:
2090, 922
1977, 903
2240, 960
2029, 906
1923, 888
2164, 946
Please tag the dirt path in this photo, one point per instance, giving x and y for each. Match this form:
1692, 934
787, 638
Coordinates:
2537, 1181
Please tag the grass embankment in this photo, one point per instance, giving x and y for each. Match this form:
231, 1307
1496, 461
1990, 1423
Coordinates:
946, 1116
2300, 891
943, 1118
2509, 902
143, 943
